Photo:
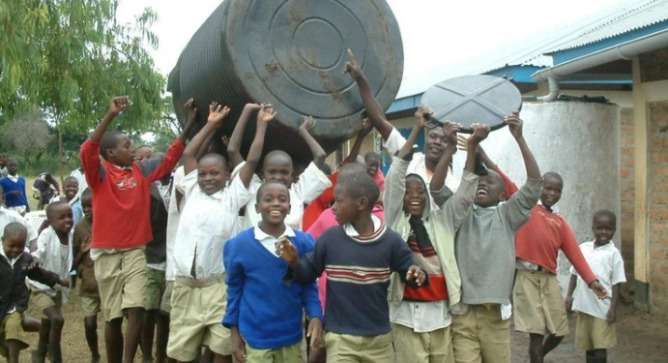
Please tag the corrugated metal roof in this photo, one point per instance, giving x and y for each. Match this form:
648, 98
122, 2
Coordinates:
627, 19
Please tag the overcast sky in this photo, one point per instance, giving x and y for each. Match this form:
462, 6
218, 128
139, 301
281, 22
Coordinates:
441, 38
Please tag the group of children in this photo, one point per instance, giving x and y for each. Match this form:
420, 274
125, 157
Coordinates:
412, 270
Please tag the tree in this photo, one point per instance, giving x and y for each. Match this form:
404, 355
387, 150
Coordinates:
27, 135
69, 57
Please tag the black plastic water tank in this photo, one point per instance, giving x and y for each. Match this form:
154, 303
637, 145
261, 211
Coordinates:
291, 53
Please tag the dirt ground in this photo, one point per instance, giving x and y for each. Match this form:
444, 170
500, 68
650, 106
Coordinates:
642, 338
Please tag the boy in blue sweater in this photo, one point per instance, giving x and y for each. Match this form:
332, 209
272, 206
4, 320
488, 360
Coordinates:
264, 311
14, 188
359, 256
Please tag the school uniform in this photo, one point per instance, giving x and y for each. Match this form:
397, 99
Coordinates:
14, 187
14, 295
420, 316
121, 227
199, 295
592, 330
485, 248
310, 184
56, 257
8, 216
271, 327
174, 208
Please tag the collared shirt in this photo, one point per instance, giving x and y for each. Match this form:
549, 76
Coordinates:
173, 217
53, 256
207, 222
311, 183
607, 264
8, 216
11, 261
350, 230
268, 241
422, 317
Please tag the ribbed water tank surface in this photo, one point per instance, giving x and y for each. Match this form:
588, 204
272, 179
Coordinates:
291, 54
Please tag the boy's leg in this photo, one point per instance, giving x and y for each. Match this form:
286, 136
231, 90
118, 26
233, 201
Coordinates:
133, 332
377, 349
186, 328
39, 355
216, 337
90, 326
409, 346
599, 356
494, 334
465, 339
288, 354
113, 337
440, 346
12, 337
551, 342
133, 277
536, 348
148, 331
259, 355
56, 328
341, 348
30, 324
162, 334
155, 287
165, 310
13, 350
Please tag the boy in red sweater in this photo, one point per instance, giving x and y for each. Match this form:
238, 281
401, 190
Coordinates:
121, 228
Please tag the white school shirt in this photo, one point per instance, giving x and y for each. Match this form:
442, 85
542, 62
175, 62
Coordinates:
8, 216
174, 209
207, 222
312, 182
607, 264
53, 256
268, 241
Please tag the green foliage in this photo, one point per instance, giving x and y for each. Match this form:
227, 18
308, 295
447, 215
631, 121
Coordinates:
69, 57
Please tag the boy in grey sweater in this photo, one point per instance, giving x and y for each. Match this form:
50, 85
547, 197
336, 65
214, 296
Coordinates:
485, 251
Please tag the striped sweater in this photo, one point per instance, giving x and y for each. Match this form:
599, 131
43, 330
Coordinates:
358, 275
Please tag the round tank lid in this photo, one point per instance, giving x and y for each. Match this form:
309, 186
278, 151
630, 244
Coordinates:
473, 99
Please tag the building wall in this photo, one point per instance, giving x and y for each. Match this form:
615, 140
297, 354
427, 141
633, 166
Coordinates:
658, 204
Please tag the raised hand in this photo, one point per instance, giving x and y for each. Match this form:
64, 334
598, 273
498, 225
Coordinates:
287, 251
118, 104
480, 132
252, 106
415, 275
217, 113
308, 123
514, 124
353, 67
422, 116
266, 113
190, 107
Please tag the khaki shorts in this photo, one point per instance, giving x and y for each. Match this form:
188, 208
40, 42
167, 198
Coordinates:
165, 303
155, 288
289, 354
537, 304
479, 335
121, 279
43, 301
349, 348
11, 329
594, 333
90, 305
196, 320
430, 347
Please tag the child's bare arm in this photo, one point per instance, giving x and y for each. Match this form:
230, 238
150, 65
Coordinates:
515, 125
441, 170
569, 295
118, 104
421, 117
612, 313
355, 150
217, 114
264, 116
234, 144
191, 119
317, 151
373, 109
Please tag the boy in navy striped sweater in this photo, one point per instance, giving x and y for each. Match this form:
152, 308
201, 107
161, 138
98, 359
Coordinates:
359, 256
265, 311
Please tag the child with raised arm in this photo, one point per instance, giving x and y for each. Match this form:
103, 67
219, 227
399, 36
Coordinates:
277, 166
121, 228
199, 294
54, 252
595, 327
485, 246
15, 266
88, 293
268, 329
359, 256
420, 316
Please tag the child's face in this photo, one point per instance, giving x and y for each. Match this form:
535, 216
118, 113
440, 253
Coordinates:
278, 169
372, 165
87, 206
3, 160
61, 218
490, 189
551, 191
71, 188
604, 229
14, 244
12, 167
273, 204
434, 144
143, 153
211, 175
121, 154
345, 208
415, 197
